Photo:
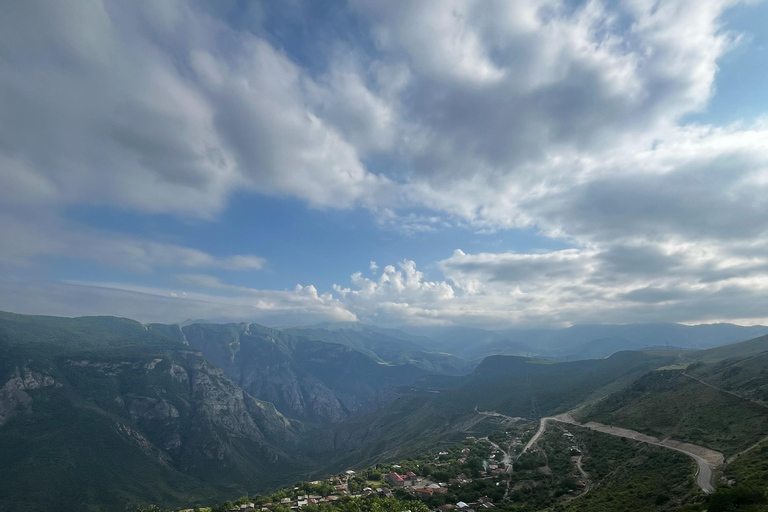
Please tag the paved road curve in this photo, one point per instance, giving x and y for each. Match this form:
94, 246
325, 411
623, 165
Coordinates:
537, 435
703, 474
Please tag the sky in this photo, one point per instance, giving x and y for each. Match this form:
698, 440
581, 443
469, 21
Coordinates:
536, 163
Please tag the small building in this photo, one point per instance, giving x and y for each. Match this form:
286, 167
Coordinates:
396, 480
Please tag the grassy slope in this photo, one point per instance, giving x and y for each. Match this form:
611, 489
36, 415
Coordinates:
746, 376
632, 476
508, 384
741, 349
751, 469
669, 404
502, 383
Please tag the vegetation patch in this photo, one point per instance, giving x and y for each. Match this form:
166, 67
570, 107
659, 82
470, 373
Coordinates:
670, 404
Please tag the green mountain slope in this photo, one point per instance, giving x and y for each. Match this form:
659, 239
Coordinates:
746, 376
97, 413
670, 404
742, 349
440, 406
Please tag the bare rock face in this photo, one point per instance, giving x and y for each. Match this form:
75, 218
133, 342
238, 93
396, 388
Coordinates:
322, 402
301, 396
151, 408
305, 379
181, 409
220, 402
125, 413
142, 442
178, 373
14, 394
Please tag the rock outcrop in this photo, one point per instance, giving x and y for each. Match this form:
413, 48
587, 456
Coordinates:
305, 379
13, 394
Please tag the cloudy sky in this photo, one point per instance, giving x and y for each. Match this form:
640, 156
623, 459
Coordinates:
483, 163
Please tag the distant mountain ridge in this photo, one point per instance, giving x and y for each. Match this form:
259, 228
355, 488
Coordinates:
387, 345
582, 341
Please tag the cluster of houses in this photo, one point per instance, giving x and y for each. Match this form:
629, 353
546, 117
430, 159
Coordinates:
483, 502
415, 484
571, 439
410, 482
494, 469
574, 450
409, 479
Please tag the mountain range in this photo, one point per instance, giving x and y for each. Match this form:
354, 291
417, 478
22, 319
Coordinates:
100, 413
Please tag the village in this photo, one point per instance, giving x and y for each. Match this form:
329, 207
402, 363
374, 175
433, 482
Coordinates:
394, 485
472, 475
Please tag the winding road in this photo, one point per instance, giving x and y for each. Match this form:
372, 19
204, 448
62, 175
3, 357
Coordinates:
537, 435
705, 458
507, 460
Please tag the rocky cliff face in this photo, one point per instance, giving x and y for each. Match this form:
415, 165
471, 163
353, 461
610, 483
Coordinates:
120, 411
14, 393
184, 406
305, 379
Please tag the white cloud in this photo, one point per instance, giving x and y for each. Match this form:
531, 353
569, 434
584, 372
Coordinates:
616, 284
474, 107
148, 304
164, 109
564, 118
27, 242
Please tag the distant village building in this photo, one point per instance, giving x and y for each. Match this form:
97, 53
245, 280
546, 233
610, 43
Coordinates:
398, 480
